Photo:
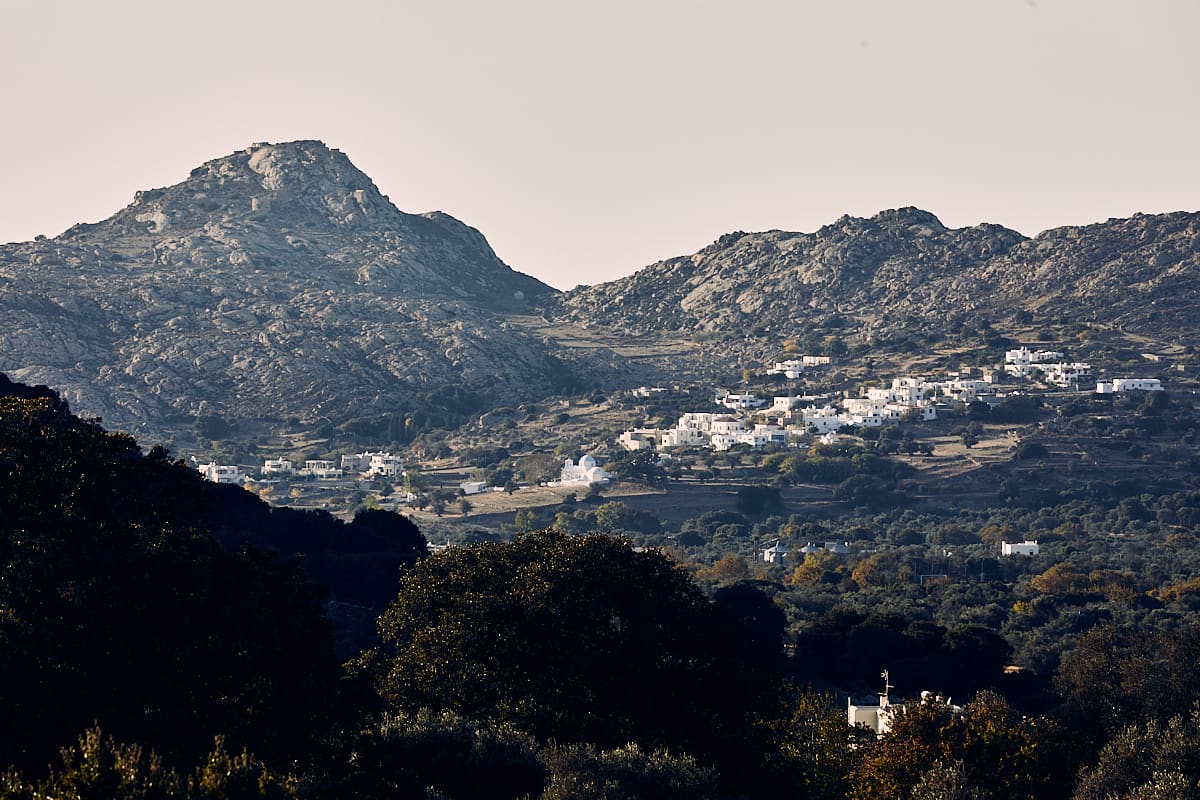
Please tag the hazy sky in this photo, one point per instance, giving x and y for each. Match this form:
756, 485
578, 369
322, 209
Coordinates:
588, 139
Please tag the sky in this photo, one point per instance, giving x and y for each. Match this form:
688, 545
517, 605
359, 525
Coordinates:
589, 139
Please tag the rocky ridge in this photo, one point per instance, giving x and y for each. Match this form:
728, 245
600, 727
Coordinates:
276, 281
903, 270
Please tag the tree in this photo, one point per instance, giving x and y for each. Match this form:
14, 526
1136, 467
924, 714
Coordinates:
640, 465
407, 755
581, 772
547, 631
1002, 753
616, 516
98, 766
1146, 762
729, 567
759, 500
819, 747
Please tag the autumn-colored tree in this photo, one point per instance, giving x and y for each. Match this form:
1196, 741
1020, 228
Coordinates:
1061, 578
727, 568
814, 567
878, 569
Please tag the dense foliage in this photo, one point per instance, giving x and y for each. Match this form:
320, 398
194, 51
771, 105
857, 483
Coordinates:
161, 636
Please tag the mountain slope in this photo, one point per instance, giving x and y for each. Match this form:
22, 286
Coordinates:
903, 269
276, 281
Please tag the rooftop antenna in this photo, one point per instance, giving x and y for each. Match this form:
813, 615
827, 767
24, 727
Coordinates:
887, 688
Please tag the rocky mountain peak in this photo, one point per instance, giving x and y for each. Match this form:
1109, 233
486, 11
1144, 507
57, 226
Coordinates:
303, 185
276, 281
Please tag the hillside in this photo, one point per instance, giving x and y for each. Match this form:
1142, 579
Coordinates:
903, 271
274, 282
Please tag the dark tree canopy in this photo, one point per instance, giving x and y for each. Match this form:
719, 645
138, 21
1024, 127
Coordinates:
578, 639
118, 607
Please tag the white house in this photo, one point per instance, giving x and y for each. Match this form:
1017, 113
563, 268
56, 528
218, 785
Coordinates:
966, 390
685, 437
722, 441
472, 487
786, 403
824, 420
696, 421
1019, 548
373, 465
222, 473
320, 468
354, 464
640, 439
816, 361
278, 466
876, 718
1065, 374
790, 369
1129, 385
384, 465
727, 425
741, 401
1023, 356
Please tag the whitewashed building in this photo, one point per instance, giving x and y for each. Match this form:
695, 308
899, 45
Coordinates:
373, 465
776, 553
278, 466
640, 439
320, 468
222, 473
790, 369
1026, 548
1118, 385
741, 402
583, 473
1067, 374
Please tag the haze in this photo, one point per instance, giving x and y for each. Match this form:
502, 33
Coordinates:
588, 139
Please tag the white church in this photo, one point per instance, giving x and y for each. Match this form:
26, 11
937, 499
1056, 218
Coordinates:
584, 473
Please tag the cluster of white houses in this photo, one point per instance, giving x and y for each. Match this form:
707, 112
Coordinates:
1024, 363
363, 465
793, 368
792, 416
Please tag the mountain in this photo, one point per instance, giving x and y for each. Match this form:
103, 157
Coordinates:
903, 271
274, 282
277, 286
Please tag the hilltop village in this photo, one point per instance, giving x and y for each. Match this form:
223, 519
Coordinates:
727, 422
